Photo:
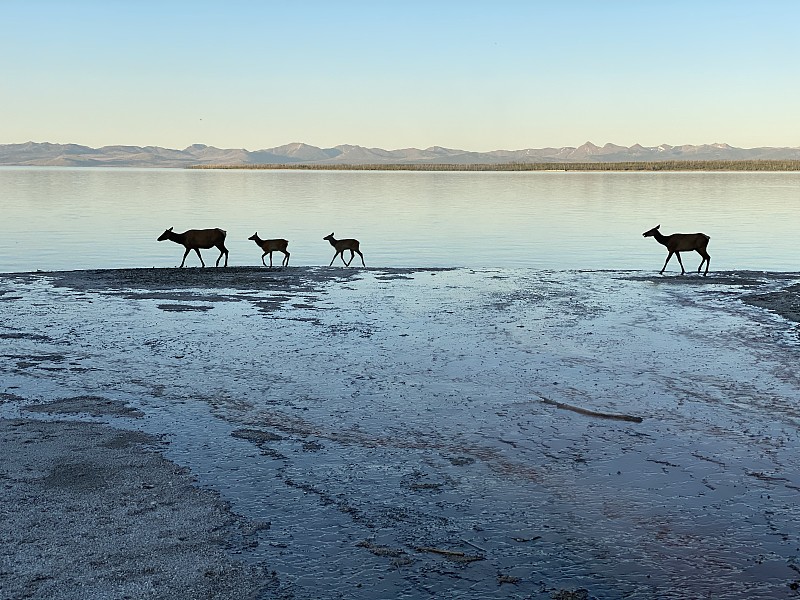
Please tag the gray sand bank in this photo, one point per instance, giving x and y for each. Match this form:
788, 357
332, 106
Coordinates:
785, 302
90, 511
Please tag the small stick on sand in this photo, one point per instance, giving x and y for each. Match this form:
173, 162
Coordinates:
443, 552
454, 555
591, 413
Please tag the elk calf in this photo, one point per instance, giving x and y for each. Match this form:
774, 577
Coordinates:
270, 246
195, 239
341, 245
682, 242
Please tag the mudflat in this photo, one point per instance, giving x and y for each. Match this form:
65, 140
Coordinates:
363, 433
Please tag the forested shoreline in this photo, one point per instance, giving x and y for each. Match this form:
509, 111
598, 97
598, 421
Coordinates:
678, 165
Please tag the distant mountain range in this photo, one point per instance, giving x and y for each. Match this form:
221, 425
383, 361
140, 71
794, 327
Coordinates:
73, 155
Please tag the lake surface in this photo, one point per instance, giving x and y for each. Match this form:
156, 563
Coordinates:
62, 218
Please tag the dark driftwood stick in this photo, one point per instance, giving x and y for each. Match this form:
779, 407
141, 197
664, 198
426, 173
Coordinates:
592, 413
452, 555
439, 551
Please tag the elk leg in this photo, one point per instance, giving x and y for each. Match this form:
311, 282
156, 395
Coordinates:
362, 258
665, 263
352, 255
333, 259
270, 259
262, 259
286, 260
706, 259
222, 250
680, 262
342, 255
184, 256
197, 250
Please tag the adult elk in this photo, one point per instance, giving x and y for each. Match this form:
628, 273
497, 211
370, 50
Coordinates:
270, 246
341, 245
682, 242
195, 239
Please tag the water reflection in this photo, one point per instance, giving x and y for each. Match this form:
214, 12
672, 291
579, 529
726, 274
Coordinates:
59, 218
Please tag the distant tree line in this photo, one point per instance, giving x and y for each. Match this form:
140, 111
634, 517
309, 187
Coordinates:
667, 165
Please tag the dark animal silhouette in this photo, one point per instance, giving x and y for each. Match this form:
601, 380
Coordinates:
270, 246
195, 239
682, 242
341, 245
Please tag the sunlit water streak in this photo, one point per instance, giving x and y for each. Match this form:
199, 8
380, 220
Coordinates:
72, 218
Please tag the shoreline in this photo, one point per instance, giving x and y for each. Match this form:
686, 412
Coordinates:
402, 455
784, 302
710, 166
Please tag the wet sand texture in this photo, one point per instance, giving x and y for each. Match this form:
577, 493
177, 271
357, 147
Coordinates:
89, 511
399, 433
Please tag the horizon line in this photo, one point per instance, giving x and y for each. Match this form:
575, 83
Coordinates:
435, 146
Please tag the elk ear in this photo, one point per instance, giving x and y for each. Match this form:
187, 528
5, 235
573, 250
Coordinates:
657, 226
170, 229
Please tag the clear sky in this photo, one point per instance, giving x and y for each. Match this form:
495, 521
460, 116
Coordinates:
474, 75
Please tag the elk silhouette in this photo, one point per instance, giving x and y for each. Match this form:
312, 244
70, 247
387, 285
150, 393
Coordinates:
270, 246
341, 245
682, 242
195, 239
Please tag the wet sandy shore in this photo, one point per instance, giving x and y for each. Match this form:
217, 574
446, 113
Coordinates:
89, 511
326, 433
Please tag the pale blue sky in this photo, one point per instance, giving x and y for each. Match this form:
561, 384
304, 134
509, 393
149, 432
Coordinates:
475, 75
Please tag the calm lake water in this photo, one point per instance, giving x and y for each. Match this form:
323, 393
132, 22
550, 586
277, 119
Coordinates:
61, 218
